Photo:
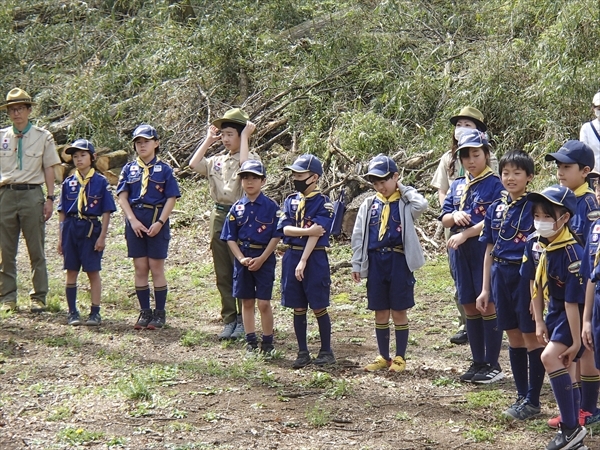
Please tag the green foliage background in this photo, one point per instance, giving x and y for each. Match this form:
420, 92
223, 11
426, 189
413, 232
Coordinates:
394, 71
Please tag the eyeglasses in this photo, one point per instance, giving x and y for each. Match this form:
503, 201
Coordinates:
17, 110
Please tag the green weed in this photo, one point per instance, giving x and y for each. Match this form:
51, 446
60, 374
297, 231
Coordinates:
79, 436
485, 399
191, 338
320, 380
318, 416
135, 388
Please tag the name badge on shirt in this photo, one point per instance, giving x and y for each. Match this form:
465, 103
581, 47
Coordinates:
134, 168
158, 168
460, 189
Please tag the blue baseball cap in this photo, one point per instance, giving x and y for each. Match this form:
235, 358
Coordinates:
80, 144
573, 152
306, 163
381, 166
253, 166
472, 139
557, 195
145, 131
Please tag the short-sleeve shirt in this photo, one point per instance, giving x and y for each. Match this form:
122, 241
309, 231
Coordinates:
162, 184
442, 179
97, 190
252, 222
224, 185
393, 234
587, 135
38, 153
589, 254
318, 210
582, 221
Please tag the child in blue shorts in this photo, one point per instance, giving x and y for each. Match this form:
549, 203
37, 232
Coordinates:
85, 196
386, 249
507, 224
558, 281
147, 193
305, 277
463, 212
251, 233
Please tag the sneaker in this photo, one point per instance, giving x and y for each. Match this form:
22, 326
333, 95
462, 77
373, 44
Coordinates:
512, 409
251, 348
565, 438
8, 306
266, 348
302, 360
144, 319
324, 358
93, 320
398, 364
37, 306
471, 371
74, 319
461, 337
380, 363
159, 319
554, 422
523, 411
227, 330
488, 374
238, 332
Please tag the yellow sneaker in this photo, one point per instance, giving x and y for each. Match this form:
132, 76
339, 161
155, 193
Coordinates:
380, 364
8, 306
398, 364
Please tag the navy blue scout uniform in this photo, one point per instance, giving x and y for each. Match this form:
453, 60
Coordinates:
81, 227
590, 268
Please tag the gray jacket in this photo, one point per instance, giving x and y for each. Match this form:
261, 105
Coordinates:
411, 205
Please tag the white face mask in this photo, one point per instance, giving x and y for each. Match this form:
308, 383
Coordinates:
460, 131
546, 229
597, 112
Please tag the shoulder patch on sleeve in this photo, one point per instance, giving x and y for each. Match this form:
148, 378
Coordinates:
594, 215
231, 217
574, 267
328, 206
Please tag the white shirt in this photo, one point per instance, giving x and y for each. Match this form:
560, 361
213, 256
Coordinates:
587, 136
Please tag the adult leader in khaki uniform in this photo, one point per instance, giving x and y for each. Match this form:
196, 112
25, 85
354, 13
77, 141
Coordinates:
27, 159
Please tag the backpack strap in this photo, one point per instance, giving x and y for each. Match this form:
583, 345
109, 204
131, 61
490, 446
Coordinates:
594, 130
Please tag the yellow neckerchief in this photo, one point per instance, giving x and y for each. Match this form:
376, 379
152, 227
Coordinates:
145, 174
487, 172
505, 213
81, 197
302, 206
385, 211
582, 190
541, 273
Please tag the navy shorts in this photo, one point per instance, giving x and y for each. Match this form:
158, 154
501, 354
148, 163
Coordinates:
559, 330
78, 248
512, 296
258, 284
313, 291
155, 247
390, 284
467, 265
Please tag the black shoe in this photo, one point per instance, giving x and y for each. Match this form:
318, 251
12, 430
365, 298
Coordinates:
324, 358
475, 367
144, 319
566, 438
488, 374
461, 337
159, 319
302, 360
251, 348
266, 348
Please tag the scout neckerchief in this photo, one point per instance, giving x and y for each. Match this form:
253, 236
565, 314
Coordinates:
582, 190
385, 211
145, 174
19, 135
487, 172
82, 198
505, 213
302, 206
541, 273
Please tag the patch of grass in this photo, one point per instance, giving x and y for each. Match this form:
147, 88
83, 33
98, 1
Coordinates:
180, 426
59, 414
541, 426
62, 341
79, 436
191, 338
341, 388
320, 380
318, 416
445, 381
211, 417
211, 367
483, 434
343, 298
135, 388
178, 414
142, 409
402, 416
116, 441
485, 399
54, 304
433, 279
268, 378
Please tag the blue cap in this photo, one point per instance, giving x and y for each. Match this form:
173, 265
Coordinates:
573, 152
253, 166
472, 139
381, 166
306, 163
557, 195
145, 131
80, 144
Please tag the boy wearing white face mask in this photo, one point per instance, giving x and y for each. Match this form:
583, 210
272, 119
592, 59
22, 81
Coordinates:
590, 132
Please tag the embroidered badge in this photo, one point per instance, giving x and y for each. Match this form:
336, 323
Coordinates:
460, 189
594, 237
239, 209
596, 229
231, 217
73, 183
574, 267
134, 168
218, 166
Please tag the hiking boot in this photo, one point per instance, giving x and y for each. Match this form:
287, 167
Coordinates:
159, 319
554, 422
93, 320
488, 374
324, 358
565, 438
144, 319
238, 331
227, 330
74, 319
37, 306
302, 360
523, 411
380, 363
461, 337
398, 364
467, 377
8, 306
266, 348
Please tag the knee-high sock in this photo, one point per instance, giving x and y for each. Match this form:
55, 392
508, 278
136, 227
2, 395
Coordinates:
382, 332
475, 332
160, 296
401, 339
71, 294
493, 339
324, 322
589, 392
518, 364
562, 387
143, 295
536, 375
300, 329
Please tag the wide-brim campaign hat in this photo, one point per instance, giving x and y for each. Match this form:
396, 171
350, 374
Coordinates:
472, 139
17, 97
235, 115
80, 144
253, 166
306, 163
557, 195
468, 112
573, 152
381, 166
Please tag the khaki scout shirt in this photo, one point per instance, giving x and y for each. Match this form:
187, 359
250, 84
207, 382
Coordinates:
221, 170
39, 152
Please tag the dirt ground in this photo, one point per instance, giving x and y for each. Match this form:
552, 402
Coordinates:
180, 388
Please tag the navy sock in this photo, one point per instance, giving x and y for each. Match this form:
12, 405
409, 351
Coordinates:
536, 376
267, 338
401, 339
71, 294
518, 364
160, 297
382, 332
300, 329
251, 338
475, 332
143, 295
324, 322
562, 387
95, 309
493, 339
577, 399
589, 392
